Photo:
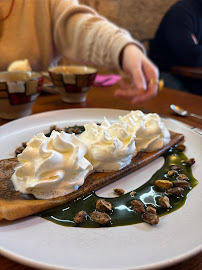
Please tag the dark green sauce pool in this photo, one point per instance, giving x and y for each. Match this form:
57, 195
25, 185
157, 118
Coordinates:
122, 213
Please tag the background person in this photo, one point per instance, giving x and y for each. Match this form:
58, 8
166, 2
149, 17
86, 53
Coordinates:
44, 31
178, 41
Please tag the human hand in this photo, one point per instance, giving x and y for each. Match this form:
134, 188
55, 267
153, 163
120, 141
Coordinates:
142, 73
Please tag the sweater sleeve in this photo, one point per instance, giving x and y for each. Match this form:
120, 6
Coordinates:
178, 29
81, 34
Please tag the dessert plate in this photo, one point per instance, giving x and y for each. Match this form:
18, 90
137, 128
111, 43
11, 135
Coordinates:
39, 243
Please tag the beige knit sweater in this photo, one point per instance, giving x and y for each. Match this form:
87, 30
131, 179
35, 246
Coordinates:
43, 30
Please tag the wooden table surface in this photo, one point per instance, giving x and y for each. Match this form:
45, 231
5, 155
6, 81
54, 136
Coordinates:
191, 72
102, 97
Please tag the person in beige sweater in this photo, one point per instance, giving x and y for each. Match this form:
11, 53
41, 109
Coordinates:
45, 30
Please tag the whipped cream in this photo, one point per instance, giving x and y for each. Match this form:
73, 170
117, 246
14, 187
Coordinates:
52, 167
20, 65
110, 146
148, 130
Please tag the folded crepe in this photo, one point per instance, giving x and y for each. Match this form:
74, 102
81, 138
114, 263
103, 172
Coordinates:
14, 205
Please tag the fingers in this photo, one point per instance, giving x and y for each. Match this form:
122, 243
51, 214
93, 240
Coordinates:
132, 65
125, 90
129, 94
152, 90
136, 87
139, 91
139, 83
151, 74
143, 74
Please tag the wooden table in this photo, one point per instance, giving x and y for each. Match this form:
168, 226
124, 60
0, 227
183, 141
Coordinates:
190, 72
102, 97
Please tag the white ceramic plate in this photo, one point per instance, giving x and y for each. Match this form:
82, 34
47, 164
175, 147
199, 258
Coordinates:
42, 244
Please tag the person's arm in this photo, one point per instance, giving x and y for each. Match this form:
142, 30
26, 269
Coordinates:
179, 33
81, 34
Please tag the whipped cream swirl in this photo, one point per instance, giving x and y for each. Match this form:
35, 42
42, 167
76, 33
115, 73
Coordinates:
110, 146
148, 130
52, 167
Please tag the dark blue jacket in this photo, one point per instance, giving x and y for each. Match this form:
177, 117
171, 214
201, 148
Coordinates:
173, 44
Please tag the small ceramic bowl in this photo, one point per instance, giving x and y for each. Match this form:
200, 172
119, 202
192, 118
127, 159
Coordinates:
18, 92
73, 82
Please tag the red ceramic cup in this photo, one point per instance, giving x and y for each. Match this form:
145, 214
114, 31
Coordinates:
18, 92
73, 81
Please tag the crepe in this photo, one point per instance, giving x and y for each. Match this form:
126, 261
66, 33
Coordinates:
14, 205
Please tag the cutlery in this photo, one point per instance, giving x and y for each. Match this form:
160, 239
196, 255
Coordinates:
183, 112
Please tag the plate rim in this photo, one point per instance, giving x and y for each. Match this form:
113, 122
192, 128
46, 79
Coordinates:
159, 265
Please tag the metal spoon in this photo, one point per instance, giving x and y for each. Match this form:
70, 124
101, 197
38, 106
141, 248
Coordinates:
183, 112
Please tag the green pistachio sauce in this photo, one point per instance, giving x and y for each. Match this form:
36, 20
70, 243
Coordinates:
122, 213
